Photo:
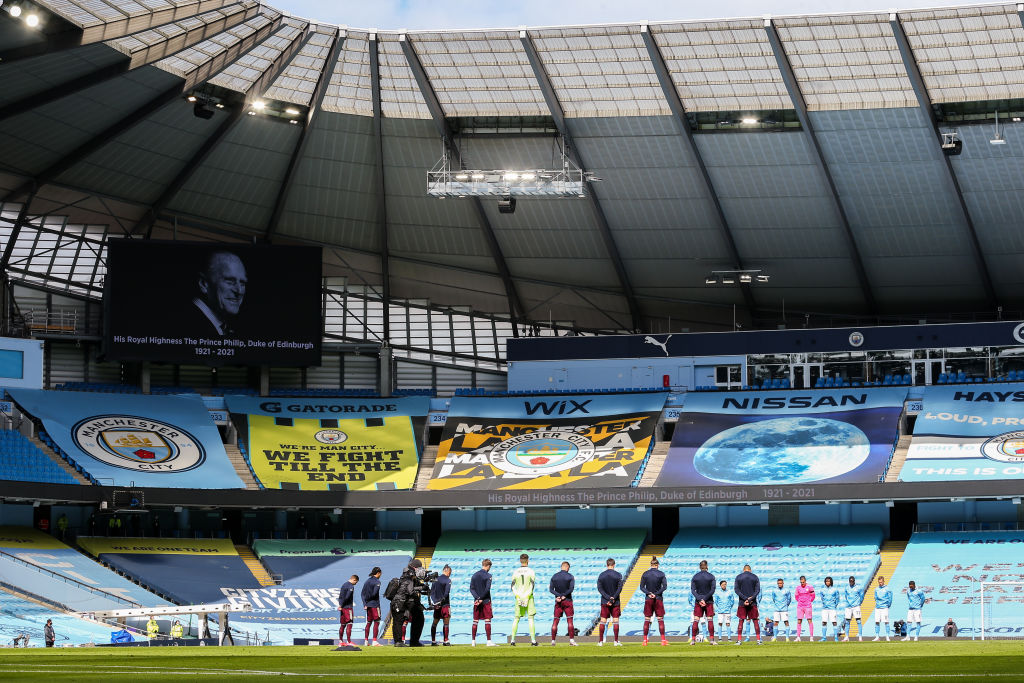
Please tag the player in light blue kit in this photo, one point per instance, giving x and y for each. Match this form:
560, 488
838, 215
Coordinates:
780, 598
915, 601
854, 595
883, 601
829, 605
725, 603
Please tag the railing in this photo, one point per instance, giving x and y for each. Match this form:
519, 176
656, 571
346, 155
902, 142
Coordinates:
69, 580
52, 321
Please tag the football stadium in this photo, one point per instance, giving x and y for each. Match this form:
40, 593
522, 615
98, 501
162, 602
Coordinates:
324, 349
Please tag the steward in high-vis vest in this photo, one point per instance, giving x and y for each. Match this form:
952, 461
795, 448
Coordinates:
177, 630
152, 628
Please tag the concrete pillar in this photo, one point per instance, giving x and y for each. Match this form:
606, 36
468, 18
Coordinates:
145, 377
970, 511
183, 522
845, 513
601, 518
480, 520
385, 381
280, 520
264, 380
722, 516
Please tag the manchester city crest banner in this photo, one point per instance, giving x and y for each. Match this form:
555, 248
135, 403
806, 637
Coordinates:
572, 441
967, 432
771, 438
332, 444
134, 439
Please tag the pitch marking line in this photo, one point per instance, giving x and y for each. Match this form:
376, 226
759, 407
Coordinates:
113, 669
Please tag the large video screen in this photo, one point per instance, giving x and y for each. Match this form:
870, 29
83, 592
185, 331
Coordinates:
216, 304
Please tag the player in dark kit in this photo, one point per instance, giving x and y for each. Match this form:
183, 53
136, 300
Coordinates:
702, 585
747, 587
609, 585
346, 601
561, 586
480, 589
440, 603
653, 585
371, 603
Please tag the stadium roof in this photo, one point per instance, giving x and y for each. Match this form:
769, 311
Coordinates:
806, 147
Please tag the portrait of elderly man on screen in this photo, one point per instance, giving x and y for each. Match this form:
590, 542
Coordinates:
221, 283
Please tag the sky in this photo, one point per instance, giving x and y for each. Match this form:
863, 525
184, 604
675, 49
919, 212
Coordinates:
450, 14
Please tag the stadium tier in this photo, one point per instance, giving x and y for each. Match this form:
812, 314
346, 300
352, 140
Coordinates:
305, 605
772, 553
23, 544
133, 440
950, 567
187, 571
586, 552
19, 618
21, 460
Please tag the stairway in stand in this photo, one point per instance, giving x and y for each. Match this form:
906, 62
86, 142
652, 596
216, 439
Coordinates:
424, 554
238, 462
426, 468
59, 460
254, 565
890, 554
654, 463
642, 564
899, 458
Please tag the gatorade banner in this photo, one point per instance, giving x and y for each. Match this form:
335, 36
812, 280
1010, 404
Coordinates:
967, 433
134, 439
305, 605
573, 441
332, 444
783, 437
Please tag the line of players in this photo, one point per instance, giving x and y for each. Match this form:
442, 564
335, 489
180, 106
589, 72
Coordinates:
705, 601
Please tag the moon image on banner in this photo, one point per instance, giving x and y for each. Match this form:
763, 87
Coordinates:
785, 450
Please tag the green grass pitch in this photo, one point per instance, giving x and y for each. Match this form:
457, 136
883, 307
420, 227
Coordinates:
897, 662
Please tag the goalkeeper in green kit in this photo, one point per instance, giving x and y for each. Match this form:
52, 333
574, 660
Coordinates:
523, 580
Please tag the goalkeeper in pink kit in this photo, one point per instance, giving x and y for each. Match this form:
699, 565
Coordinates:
804, 607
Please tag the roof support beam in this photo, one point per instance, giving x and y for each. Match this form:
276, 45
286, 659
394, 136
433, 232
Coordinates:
515, 305
66, 88
94, 143
558, 114
925, 102
146, 221
668, 87
793, 88
300, 146
382, 205
16, 229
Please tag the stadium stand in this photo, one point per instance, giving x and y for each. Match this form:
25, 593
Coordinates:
187, 571
950, 566
21, 460
23, 544
772, 552
305, 604
19, 617
585, 550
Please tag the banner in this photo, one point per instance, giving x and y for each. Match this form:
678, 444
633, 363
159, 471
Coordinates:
968, 433
333, 443
949, 567
783, 437
133, 439
580, 542
305, 605
573, 441
158, 546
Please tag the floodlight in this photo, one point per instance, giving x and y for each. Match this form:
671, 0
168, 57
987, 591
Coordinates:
749, 121
711, 281
252, 113
728, 280
745, 278
765, 506
337, 511
418, 511
520, 510
259, 104
462, 176
32, 20
528, 176
511, 176
1015, 501
762, 278
291, 111
478, 176
219, 105
191, 98
294, 122
15, 11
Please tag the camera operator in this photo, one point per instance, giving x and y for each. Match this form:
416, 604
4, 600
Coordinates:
413, 584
